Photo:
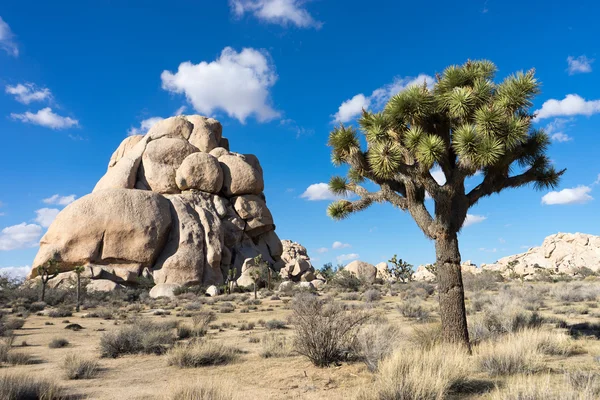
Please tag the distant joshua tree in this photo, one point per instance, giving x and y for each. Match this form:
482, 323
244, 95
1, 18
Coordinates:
464, 124
47, 271
401, 269
78, 271
259, 273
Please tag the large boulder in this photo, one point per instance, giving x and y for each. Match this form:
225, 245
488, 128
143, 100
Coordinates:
240, 177
160, 161
200, 171
175, 206
362, 270
112, 226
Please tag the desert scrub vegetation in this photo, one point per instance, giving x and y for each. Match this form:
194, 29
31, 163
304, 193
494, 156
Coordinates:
414, 310
375, 342
7, 355
58, 343
419, 374
78, 367
576, 385
324, 330
200, 353
139, 337
15, 386
274, 345
199, 391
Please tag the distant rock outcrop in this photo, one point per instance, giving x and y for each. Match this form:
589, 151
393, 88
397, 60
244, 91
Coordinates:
175, 204
559, 253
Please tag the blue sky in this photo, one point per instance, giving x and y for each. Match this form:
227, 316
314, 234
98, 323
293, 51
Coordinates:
78, 77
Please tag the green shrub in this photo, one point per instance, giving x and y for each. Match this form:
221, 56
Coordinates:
201, 353
346, 280
275, 324
141, 337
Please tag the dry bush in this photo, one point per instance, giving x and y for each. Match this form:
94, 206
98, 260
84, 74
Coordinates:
58, 343
275, 324
575, 292
10, 357
275, 346
201, 353
77, 367
61, 312
375, 342
417, 374
324, 330
586, 386
23, 387
7, 325
200, 325
426, 337
505, 314
414, 310
199, 391
371, 295
509, 355
140, 337
485, 280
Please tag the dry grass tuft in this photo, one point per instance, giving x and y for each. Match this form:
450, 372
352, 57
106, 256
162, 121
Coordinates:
531, 387
77, 367
275, 345
22, 387
417, 374
201, 353
199, 391
376, 342
142, 337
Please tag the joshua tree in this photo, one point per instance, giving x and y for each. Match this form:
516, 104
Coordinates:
78, 271
401, 269
465, 124
259, 272
47, 271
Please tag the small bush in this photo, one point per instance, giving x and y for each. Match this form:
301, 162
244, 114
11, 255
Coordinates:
417, 374
275, 324
426, 337
226, 308
371, 295
247, 326
142, 337
485, 280
37, 306
346, 280
74, 327
61, 312
530, 387
22, 387
323, 330
76, 367
201, 353
11, 357
7, 325
509, 355
350, 296
410, 309
274, 345
58, 343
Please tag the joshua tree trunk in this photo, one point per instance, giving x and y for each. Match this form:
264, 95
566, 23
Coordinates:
255, 295
78, 292
43, 290
451, 291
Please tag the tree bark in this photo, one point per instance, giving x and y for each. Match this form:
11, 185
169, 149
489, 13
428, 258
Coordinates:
451, 291
43, 290
78, 291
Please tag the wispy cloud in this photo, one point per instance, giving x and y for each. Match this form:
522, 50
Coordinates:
473, 219
60, 200
45, 216
28, 92
339, 245
281, 12
579, 65
46, 118
7, 39
347, 257
19, 236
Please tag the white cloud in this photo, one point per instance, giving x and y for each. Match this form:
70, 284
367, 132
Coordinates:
318, 191
340, 245
7, 42
494, 250
347, 257
145, 125
237, 83
351, 108
579, 65
28, 92
501, 240
45, 117
60, 200
20, 236
597, 181
560, 137
322, 250
281, 12
45, 216
577, 195
15, 272
572, 104
439, 176
180, 110
473, 219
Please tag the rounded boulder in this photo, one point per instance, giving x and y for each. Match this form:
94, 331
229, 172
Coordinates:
200, 171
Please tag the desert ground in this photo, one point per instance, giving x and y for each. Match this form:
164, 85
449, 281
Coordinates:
530, 340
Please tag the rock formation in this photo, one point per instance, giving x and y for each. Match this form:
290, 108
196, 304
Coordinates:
175, 204
362, 270
559, 253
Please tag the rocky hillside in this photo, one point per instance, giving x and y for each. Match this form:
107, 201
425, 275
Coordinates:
559, 253
175, 205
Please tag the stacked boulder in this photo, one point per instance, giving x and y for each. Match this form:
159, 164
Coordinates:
297, 266
175, 205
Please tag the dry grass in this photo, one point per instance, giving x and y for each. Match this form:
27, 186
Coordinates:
416, 374
58, 343
530, 387
275, 346
375, 342
78, 367
140, 337
199, 391
201, 353
26, 386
